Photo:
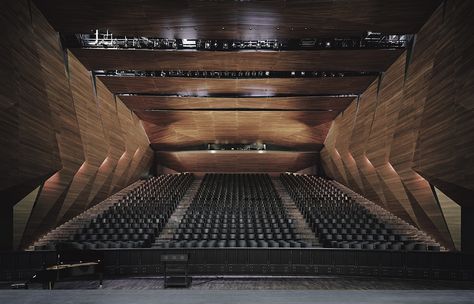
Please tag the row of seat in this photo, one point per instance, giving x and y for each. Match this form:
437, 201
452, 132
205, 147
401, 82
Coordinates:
236, 210
338, 221
223, 243
138, 217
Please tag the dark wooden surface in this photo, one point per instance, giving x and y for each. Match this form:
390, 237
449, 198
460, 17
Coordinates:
56, 133
263, 19
368, 60
146, 102
237, 161
416, 130
296, 129
239, 87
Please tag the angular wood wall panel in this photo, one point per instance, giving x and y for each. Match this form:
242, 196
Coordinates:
21, 215
55, 130
417, 128
452, 214
445, 147
346, 163
92, 134
25, 115
65, 125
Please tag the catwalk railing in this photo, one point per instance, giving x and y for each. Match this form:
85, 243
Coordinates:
259, 261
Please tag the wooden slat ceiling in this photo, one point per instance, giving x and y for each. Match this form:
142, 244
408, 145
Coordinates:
259, 19
237, 161
368, 60
243, 87
303, 130
144, 102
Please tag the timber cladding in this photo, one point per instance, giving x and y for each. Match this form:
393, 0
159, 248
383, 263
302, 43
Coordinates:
414, 127
60, 130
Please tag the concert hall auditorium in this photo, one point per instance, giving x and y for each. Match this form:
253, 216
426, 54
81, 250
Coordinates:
236, 151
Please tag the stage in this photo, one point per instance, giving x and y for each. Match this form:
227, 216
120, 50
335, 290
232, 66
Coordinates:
106, 296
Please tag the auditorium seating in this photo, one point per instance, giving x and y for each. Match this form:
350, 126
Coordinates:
137, 218
340, 222
236, 210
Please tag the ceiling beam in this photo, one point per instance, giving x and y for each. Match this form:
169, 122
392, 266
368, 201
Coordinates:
366, 60
237, 87
147, 102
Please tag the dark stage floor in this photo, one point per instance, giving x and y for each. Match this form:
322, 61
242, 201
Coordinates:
264, 283
107, 296
323, 289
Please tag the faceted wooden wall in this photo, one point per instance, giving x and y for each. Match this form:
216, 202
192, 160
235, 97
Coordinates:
59, 129
414, 126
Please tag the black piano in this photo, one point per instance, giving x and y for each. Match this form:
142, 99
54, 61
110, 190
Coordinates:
70, 264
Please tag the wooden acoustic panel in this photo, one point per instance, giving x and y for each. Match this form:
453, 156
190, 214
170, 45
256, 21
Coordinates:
414, 128
62, 135
237, 161
368, 60
260, 19
245, 87
146, 102
177, 129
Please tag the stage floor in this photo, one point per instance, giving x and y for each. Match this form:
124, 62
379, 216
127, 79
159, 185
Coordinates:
261, 290
264, 283
107, 296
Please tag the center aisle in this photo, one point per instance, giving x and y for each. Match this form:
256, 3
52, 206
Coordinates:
173, 223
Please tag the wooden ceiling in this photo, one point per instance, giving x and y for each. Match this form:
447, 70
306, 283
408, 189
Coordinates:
239, 87
180, 112
237, 161
258, 19
368, 60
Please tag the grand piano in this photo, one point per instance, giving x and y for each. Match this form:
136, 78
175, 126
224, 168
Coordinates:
70, 264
